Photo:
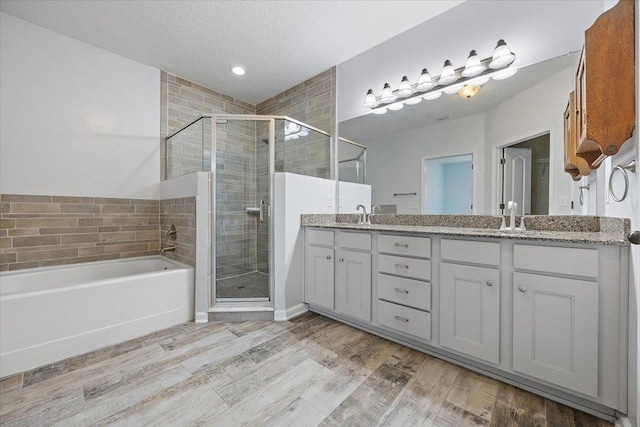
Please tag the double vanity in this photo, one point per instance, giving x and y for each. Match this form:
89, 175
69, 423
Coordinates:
543, 309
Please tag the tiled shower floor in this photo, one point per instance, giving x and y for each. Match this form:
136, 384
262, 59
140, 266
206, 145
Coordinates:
249, 285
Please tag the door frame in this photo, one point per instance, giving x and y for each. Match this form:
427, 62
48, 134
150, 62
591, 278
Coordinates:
423, 166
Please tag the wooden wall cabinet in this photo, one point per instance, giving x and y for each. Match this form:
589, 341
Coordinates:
576, 166
605, 85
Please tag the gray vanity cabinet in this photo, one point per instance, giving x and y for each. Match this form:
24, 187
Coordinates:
353, 286
470, 298
555, 319
319, 282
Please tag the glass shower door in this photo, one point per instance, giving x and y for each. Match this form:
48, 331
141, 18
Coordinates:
241, 220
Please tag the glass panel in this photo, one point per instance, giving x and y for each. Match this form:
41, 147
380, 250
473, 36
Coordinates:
189, 150
302, 150
351, 162
241, 217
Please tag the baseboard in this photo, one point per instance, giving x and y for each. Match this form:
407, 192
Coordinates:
623, 421
202, 317
291, 312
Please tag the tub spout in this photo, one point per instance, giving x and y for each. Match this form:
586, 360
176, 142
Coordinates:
168, 249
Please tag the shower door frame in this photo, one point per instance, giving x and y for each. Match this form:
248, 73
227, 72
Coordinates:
271, 119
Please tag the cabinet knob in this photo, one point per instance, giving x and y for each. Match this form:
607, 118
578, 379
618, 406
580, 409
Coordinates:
341, 259
329, 257
401, 245
402, 266
489, 282
634, 237
402, 291
522, 288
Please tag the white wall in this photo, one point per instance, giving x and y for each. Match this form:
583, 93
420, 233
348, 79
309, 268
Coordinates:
394, 164
538, 110
352, 195
294, 195
76, 120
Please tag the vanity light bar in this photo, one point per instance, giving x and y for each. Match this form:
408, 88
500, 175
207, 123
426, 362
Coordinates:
476, 72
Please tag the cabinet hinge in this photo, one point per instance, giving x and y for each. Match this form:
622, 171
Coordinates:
503, 161
502, 206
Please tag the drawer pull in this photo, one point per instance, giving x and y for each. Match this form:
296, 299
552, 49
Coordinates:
522, 288
401, 245
489, 283
402, 319
341, 259
328, 256
402, 266
402, 291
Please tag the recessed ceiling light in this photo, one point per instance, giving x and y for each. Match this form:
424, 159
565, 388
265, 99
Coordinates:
238, 70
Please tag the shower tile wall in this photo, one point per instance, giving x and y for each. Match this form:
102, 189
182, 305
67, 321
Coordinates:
38, 231
183, 102
181, 213
312, 102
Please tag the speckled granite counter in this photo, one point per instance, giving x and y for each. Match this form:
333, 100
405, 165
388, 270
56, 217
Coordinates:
567, 229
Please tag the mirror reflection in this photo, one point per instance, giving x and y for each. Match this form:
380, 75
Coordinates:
511, 128
352, 160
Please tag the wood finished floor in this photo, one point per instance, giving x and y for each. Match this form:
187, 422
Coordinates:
306, 372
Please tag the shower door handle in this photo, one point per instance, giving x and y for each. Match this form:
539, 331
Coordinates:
261, 211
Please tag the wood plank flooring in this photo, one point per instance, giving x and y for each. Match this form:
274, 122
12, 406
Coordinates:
311, 371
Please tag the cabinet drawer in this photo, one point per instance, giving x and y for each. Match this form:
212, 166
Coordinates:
404, 319
404, 245
405, 291
470, 251
402, 266
320, 237
551, 259
360, 241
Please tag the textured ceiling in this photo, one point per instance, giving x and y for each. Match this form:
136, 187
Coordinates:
280, 43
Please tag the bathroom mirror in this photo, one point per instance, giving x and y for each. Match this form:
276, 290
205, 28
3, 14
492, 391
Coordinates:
501, 114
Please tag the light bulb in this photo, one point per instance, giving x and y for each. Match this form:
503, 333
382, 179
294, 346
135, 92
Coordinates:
370, 100
387, 94
424, 82
504, 74
379, 111
395, 107
473, 67
502, 56
432, 95
468, 91
405, 88
413, 101
448, 74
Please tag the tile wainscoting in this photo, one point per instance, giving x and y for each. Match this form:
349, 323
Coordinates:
38, 231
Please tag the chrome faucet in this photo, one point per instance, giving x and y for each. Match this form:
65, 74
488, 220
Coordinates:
168, 249
364, 219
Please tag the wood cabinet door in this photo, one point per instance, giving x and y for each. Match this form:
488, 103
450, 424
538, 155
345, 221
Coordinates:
319, 276
354, 284
555, 331
470, 310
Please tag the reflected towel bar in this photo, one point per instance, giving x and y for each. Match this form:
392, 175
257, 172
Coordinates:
405, 194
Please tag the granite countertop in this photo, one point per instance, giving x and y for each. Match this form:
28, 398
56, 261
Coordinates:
567, 229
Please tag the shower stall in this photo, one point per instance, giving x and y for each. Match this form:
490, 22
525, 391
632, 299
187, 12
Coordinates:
243, 154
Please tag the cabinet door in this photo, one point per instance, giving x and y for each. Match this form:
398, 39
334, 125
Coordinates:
354, 284
470, 310
319, 276
555, 331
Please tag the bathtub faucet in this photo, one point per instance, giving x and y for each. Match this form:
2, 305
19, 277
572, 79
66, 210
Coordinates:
168, 249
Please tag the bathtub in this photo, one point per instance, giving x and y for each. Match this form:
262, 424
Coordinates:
51, 313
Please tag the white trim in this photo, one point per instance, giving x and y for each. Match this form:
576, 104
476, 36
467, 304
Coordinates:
202, 317
290, 312
623, 421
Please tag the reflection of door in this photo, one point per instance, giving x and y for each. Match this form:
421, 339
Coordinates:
447, 185
516, 165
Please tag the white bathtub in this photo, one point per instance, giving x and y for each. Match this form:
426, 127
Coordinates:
51, 313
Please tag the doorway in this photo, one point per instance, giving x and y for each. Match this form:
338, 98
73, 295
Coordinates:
524, 172
447, 185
